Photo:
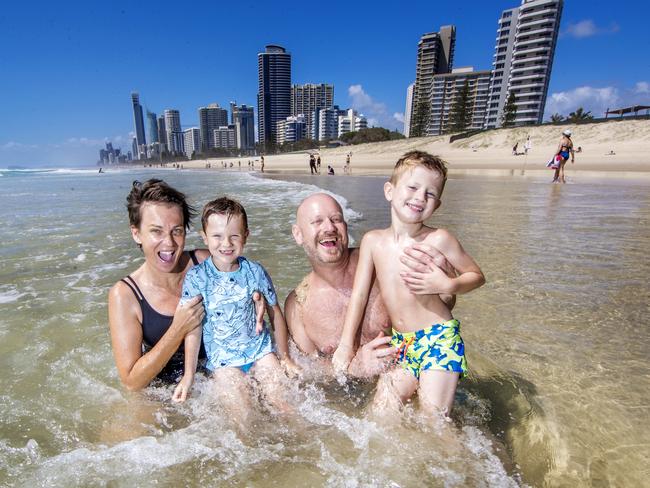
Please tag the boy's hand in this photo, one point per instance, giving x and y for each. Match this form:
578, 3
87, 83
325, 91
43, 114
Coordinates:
182, 390
342, 357
292, 369
260, 308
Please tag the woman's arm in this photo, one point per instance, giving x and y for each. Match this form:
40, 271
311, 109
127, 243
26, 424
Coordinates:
136, 370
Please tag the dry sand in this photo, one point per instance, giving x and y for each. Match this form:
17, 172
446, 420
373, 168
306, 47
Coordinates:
488, 152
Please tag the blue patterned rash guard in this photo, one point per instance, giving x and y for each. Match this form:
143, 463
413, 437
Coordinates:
229, 324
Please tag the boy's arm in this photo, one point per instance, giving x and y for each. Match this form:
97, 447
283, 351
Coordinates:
282, 340
192, 346
358, 301
469, 276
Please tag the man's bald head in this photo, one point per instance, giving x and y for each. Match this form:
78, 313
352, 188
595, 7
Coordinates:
321, 229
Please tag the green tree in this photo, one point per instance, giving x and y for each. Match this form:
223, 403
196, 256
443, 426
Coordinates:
461, 110
420, 119
580, 115
509, 111
557, 118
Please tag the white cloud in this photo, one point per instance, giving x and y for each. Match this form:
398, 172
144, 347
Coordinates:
375, 111
642, 87
399, 117
587, 28
17, 146
596, 100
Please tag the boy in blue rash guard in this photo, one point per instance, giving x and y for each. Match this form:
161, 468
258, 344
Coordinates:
227, 282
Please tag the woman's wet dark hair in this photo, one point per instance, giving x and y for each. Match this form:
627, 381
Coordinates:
156, 191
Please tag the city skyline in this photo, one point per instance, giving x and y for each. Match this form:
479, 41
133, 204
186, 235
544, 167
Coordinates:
75, 68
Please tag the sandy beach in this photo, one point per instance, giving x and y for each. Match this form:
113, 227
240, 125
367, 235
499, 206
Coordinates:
488, 152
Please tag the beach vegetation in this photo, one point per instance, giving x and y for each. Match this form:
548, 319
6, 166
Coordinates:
461, 110
373, 134
580, 115
557, 118
420, 119
509, 111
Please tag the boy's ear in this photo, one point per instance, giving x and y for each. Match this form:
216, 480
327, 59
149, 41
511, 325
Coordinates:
437, 204
388, 191
205, 237
297, 234
135, 233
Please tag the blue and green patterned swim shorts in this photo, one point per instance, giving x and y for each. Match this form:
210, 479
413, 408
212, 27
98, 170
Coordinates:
439, 347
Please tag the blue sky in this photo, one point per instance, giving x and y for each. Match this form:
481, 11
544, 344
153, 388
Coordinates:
67, 68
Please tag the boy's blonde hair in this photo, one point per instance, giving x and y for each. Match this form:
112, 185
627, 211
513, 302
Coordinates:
224, 206
418, 158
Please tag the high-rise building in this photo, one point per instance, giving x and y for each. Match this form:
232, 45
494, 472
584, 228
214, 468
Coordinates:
446, 91
435, 56
225, 137
305, 99
274, 91
173, 132
326, 123
162, 132
408, 109
138, 120
523, 58
134, 148
351, 122
243, 118
152, 125
291, 129
210, 118
192, 141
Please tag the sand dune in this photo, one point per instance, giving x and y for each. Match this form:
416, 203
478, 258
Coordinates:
489, 151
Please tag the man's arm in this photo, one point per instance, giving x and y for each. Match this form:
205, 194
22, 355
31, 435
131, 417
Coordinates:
470, 275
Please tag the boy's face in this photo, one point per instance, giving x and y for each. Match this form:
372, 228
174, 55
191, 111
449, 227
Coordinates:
416, 195
225, 238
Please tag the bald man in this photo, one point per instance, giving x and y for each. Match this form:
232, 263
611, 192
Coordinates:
315, 310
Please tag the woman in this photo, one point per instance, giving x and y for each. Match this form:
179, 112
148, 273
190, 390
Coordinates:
147, 323
564, 149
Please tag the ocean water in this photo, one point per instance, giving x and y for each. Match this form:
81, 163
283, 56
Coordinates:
557, 341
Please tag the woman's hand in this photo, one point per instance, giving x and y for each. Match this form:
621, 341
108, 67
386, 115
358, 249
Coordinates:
182, 390
189, 315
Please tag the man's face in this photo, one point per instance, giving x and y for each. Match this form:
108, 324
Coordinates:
321, 230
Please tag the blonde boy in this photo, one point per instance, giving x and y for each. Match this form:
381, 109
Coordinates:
430, 349
233, 342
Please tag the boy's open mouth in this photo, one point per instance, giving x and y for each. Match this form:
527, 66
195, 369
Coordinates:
415, 208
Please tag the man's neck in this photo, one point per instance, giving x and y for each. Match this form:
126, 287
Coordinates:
331, 273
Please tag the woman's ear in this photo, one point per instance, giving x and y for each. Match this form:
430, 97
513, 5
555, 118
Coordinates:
135, 234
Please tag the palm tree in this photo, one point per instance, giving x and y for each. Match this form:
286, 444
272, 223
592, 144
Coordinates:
557, 118
580, 115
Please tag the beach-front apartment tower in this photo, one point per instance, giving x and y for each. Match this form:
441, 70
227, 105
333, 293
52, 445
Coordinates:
435, 56
408, 110
152, 127
458, 101
211, 118
138, 122
523, 57
173, 132
243, 118
191, 141
306, 99
274, 91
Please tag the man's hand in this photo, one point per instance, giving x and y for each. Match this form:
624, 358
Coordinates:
428, 269
260, 308
374, 357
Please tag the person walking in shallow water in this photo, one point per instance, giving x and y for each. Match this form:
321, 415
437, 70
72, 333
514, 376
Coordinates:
564, 150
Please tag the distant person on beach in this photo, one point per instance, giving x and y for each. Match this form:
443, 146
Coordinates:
262, 164
312, 164
315, 309
514, 149
431, 357
330, 170
564, 150
147, 322
527, 146
318, 164
235, 343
